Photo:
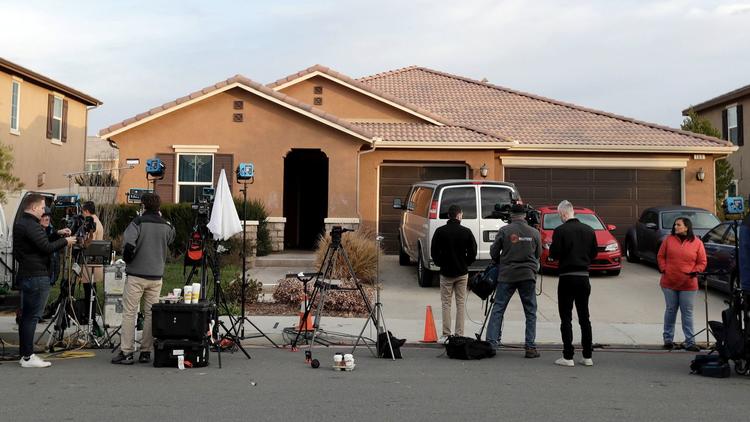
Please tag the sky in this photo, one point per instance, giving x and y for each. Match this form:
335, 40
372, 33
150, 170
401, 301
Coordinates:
643, 59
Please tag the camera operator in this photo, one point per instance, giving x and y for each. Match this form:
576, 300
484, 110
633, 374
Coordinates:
574, 246
93, 273
145, 250
32, 249
52, 235
516, 249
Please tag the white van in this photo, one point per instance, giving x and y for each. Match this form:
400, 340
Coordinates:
426, 209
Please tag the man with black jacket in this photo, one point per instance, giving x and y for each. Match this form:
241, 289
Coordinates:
146, 246
32, 249
574, 246
453, 249
516, 250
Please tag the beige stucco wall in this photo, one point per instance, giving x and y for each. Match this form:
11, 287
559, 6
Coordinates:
268, 133
33, 153
347, 104
370, 163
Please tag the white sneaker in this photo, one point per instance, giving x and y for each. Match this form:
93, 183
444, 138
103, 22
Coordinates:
34, 361
565, 362
586, 362
442, 339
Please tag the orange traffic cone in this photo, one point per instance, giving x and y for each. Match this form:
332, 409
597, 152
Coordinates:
430, 334
304, 325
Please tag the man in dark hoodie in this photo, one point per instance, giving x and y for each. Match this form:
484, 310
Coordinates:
516, 250
574, 245
453, 249
146, 245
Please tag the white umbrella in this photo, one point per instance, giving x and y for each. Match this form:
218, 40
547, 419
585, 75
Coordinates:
225, 222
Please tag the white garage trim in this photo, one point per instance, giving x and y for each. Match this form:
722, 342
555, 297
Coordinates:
594, 162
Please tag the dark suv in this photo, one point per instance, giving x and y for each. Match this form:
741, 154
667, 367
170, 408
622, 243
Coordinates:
644, 239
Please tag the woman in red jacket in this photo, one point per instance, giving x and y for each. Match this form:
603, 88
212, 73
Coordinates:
680, 257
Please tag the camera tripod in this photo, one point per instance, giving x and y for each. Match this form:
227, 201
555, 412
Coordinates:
321, 288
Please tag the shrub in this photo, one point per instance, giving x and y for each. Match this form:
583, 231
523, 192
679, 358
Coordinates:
233, 291
256, 210
362, 250
349, 302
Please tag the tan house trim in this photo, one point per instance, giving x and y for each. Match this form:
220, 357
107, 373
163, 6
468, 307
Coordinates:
359, 90
206, 149
598, 162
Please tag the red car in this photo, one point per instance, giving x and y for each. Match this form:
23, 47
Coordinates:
608, 259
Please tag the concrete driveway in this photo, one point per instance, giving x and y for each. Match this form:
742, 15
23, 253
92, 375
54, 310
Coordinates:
625, 309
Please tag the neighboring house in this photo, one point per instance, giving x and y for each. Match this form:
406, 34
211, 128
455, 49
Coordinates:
45, 124
329, 149
725, 112
101, 155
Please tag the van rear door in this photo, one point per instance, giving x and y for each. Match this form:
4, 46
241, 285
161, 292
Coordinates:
466, 198
489, 222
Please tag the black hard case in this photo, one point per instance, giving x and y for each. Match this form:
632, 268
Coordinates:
181, 320
167, 351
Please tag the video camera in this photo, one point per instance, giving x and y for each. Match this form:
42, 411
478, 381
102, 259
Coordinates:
502, 211
336, 232
202, 206
79, 226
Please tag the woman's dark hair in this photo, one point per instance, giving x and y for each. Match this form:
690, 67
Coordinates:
689, 224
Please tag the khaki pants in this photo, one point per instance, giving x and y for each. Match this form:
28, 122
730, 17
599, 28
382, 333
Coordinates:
135, 288
448, 286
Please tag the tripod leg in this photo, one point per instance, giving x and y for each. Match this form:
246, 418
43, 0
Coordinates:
362, 332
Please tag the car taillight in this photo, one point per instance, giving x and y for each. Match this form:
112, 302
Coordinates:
433, 210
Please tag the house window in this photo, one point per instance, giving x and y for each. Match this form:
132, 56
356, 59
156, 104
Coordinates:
15, 110
57, 118
732, 126
194, 172
94, 166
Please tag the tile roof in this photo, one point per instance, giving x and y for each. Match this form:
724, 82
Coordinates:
526, 118
421, 133
242, 80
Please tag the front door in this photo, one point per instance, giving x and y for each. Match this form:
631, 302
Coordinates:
305, 197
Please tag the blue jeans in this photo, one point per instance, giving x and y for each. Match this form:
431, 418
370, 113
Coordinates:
682, 299
503, 293
34, 292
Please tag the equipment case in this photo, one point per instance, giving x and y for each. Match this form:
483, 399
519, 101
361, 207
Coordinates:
194, 351
181, 320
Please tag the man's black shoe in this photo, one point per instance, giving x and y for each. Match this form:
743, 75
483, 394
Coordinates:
668, 345
693, 348
123, 359
531, 353
144, 357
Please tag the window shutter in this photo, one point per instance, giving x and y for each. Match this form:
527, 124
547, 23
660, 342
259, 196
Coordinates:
724, 125
50, 112
165, 186
740, 127
64, 135
226, 162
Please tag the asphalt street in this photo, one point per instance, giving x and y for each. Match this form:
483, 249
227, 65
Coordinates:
277, 385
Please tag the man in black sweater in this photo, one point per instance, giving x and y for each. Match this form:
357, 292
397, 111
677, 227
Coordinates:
453, 249
574, 246
32, 249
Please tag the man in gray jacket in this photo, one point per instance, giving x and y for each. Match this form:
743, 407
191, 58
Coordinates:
146, 245
516, 251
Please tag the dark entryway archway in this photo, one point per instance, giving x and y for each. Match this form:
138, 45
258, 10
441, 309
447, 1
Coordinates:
305, 197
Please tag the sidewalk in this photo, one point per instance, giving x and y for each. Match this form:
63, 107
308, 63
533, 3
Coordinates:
626, 311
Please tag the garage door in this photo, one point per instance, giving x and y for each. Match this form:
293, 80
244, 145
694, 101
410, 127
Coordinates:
395, 181
617, 195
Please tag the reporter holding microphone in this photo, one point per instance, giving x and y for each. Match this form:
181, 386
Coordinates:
681, 256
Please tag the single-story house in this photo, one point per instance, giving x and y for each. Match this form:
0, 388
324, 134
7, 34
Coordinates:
329, 149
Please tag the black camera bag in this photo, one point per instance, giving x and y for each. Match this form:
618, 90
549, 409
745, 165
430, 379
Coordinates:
710, 365
485, 282
467, 348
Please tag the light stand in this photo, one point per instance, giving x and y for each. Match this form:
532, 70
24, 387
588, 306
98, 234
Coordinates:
243, 317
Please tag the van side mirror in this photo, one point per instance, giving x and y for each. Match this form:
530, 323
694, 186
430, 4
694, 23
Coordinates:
611, 227
651, 226
397, 204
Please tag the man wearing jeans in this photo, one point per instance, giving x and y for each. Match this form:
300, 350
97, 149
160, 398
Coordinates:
516, 249
574, 245
453, 249
33, 250
146, 245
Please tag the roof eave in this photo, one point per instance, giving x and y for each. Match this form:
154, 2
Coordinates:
728, 97
41, 80
635, 149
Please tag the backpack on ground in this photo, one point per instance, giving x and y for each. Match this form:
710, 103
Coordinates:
710, 365
467, 348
